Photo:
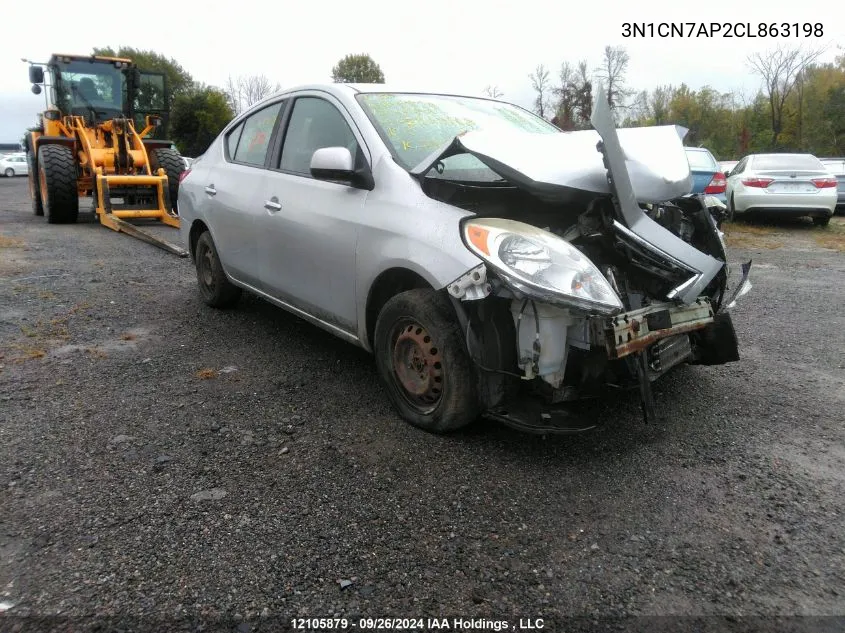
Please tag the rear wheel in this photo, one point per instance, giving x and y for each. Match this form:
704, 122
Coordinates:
173, 166
821, 220
422, 358
215, 288
57, 184
34, 190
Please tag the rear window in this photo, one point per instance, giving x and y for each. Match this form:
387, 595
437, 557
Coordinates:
787, 161
699, 159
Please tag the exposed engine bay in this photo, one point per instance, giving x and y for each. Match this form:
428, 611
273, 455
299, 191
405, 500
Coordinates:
582, 291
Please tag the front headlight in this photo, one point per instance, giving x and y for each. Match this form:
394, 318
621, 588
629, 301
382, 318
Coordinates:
540, 264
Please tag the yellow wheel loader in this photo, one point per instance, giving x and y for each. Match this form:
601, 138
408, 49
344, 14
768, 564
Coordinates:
87, 145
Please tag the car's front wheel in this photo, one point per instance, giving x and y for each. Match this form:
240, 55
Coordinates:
215, 288
422, 359
10, 173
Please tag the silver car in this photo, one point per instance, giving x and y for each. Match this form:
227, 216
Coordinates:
13, 165
785, 185
493, 264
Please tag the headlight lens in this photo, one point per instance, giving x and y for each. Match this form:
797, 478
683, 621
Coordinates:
540, 264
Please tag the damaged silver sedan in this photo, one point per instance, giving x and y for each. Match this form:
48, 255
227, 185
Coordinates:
494, 265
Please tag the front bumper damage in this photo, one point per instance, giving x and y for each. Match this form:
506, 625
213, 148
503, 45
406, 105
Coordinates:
690, 323
637, 330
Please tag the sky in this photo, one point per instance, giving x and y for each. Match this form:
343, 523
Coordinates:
459, 46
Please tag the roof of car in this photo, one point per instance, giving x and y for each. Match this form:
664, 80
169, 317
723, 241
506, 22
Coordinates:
355, 88
782, 154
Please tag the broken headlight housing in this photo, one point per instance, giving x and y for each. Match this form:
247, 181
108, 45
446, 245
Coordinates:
539, 264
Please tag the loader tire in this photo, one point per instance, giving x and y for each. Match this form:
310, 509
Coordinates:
34, 190
57, 184
173, 166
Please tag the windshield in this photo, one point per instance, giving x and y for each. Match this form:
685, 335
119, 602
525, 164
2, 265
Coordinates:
701, 160
85, 85
415, 125
787, 161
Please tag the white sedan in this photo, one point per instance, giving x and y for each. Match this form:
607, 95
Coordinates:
785, 185
13, 165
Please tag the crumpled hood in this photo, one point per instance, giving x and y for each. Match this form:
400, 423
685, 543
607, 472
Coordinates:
549, 164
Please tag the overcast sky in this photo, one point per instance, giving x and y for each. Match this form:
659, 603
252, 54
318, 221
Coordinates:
455, 45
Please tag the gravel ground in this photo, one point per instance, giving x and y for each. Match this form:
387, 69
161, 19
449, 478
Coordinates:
162, 460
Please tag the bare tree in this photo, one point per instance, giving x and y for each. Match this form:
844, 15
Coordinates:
612, 71
780, 70
640, 108
493, 92
583, 95
574, 94
245, 91
540, 83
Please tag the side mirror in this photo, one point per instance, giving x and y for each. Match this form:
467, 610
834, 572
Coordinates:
337, 164
152, 120
36, 75
727, 173
333, 163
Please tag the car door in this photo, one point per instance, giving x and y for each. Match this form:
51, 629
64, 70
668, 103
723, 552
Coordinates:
308, 230
233, 193
20, 166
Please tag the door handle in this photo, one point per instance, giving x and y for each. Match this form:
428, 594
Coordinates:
272, 204
210, 190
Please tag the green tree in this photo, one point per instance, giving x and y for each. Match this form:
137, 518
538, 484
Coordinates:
357, 69
199, 114
179, 80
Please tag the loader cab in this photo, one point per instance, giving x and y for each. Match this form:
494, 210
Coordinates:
103, 88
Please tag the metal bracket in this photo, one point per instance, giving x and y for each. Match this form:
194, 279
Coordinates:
472, 285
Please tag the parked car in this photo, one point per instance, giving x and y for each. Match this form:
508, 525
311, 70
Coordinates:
725, 166
13, 165
836, 166
783, 185
707, 177
475, 249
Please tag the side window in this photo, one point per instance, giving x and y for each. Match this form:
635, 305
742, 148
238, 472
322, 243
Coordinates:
314, 123
255, 136
232, 141
740, 167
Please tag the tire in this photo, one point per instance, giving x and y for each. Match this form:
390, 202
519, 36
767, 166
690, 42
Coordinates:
731, 209
9, 173
438, 394
173, 166
34, 190
57, 184
821, 221
215, 288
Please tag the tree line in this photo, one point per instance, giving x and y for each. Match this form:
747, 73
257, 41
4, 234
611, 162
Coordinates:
800, 106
